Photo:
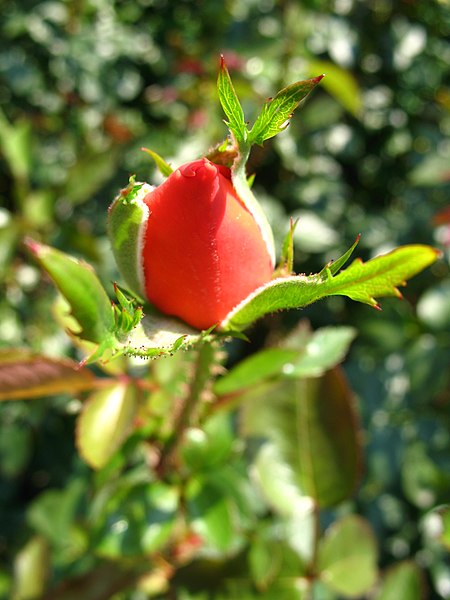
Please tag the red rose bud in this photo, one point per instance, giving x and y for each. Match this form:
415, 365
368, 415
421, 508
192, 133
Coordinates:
190, 246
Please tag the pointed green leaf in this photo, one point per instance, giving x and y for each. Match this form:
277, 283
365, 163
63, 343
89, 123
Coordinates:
164, 168
25, 375
380, 276
404, 581
277, 111
362, 282
347, 558
105, 422
80, 286
231, 105
313, 425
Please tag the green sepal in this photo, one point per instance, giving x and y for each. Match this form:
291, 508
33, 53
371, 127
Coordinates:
334, 266
286, 264
362, 282
163, 167
127, 218
127, 315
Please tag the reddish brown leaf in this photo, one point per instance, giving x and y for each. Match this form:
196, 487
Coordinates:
25, 375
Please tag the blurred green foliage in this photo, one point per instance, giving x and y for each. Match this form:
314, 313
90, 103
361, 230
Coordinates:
83, 86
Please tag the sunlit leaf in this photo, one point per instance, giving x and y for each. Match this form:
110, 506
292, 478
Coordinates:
231, 105
105, 422
362, 282
254, 369
15, 146
315, 433
277, 111
403, 580
347, 558
80, 286
25, 375
31, 569
324, 349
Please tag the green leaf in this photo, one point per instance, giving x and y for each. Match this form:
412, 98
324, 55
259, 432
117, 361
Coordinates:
324, 349
231, 105
15, 145
25, 375
80, 286
105, 422
276, 477
254, 369
444, 538
264, 565
136, 520
404, 581
10, 235
277, 111
425, 481
362, 282
210, 446
210, 513
31, 570
347, 557
436, 525
164, 168
312, 424
341, 84
53, 514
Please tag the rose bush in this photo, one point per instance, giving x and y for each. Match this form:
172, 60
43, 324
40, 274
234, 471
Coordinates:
190, 246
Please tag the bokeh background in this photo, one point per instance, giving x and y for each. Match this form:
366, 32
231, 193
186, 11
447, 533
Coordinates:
84, 84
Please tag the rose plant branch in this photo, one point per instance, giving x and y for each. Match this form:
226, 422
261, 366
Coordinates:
185, 417
198, 258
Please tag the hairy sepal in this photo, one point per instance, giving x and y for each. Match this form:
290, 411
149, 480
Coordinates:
127, 224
